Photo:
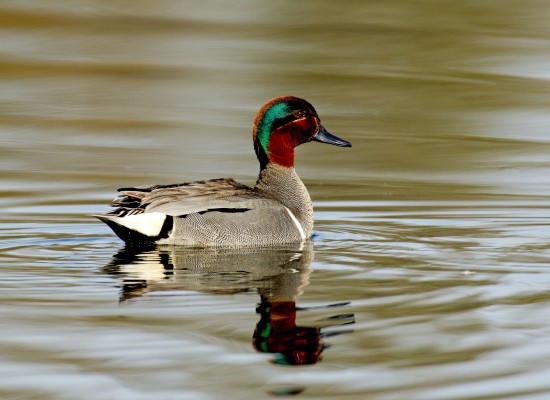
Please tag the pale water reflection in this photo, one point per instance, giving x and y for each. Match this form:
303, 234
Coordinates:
432, 229
278, 275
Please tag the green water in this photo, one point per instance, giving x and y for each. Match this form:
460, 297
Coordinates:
428, 276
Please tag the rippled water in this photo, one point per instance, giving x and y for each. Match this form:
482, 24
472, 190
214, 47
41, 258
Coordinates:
428, 276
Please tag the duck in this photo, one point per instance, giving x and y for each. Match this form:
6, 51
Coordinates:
221, 212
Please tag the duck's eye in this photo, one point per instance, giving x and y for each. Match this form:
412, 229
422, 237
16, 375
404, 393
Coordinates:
277, 123
300, 114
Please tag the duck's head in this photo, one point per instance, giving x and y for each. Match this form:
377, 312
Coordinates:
284, 123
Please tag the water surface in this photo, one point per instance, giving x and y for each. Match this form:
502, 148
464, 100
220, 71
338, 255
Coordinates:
428, 274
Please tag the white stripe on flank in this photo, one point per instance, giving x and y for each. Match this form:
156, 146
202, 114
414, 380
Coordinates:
148, 224
297, 223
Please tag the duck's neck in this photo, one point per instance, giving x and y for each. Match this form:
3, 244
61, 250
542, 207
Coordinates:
283, 184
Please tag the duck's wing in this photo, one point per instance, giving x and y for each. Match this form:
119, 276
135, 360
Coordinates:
182, 199
148, 213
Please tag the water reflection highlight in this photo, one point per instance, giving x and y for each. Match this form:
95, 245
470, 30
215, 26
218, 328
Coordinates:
277, 274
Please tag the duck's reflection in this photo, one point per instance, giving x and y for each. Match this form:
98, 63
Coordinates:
277, 274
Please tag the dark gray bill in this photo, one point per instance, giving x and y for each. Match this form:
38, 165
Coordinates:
323, 136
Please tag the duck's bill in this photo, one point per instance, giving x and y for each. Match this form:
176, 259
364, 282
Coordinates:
323, 136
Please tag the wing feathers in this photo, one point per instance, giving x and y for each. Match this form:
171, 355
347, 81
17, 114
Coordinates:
184, 198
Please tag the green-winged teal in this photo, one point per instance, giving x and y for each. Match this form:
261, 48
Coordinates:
222, 212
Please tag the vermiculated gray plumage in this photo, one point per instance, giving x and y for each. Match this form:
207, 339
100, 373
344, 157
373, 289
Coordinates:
218, 212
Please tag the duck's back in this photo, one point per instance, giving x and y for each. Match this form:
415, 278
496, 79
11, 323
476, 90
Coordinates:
219, 212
